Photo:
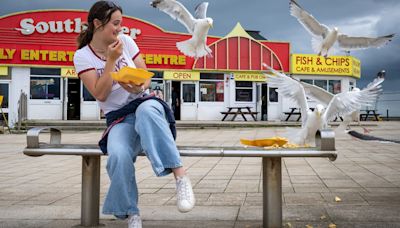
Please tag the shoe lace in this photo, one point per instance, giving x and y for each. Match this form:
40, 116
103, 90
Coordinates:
183, 190
134, 221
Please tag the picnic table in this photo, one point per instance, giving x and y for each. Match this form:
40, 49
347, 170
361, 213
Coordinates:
293, 112
246, 110
369, 112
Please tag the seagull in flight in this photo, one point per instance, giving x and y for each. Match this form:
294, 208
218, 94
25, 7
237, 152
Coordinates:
324, 37
197, 25
329, 107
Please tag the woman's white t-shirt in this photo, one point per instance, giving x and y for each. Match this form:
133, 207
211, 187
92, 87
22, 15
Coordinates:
85, 59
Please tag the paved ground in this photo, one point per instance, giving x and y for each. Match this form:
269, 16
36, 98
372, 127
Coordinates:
45, 191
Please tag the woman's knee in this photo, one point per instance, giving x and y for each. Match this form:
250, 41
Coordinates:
149, 108
118, 155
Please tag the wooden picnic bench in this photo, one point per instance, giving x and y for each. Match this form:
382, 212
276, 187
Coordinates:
293, 113
271, 167
235, 111
364, 114
298, 113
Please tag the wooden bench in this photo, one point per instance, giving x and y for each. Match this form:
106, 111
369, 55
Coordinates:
369, 113
239, 111
250, 113
289, 114
271, 167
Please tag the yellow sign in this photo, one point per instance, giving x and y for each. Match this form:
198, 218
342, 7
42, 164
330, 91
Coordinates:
332, 65
356, 68
7, 53
3, 71
68, 72
182, 75
159, 59
46, 55
1, 100
249, 77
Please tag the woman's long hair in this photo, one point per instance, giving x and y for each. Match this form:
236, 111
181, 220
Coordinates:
101, 10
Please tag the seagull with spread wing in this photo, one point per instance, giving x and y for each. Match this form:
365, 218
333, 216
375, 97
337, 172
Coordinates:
340, 104
198, 26
324, 37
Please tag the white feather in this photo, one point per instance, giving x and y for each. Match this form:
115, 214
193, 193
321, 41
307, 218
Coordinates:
196, 46
289, 87
353, 43
340, 104
324, 37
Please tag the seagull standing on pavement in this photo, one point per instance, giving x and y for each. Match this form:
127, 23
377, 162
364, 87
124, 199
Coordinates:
198, 26
324, 37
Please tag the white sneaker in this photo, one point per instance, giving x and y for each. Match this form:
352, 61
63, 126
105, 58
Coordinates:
184, 194
134, 221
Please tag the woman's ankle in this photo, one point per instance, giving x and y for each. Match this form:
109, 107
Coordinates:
179, 172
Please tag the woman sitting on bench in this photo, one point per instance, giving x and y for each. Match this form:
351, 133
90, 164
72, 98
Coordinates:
136, 121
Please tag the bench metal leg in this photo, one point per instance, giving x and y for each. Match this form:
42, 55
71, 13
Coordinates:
272, 192
90, 190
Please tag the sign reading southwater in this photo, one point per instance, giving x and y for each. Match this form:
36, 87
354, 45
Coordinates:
319, 65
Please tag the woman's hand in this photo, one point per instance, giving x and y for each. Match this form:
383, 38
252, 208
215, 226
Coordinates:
132, 88
114, 50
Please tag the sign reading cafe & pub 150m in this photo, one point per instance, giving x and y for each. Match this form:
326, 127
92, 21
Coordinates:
319, 65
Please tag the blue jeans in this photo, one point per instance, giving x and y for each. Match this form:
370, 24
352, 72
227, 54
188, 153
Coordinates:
146, 130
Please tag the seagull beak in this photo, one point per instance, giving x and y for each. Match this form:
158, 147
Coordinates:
211, 25
318, 114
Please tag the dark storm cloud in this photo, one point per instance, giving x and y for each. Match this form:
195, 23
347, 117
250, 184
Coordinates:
272, 18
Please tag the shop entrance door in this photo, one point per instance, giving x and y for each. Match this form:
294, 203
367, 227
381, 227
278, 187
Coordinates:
176, 99
189, 101
74, 99
264, 102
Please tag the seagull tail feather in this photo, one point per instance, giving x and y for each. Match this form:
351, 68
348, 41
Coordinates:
316, 44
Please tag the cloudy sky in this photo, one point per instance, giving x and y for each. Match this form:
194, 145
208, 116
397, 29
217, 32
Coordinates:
273, 20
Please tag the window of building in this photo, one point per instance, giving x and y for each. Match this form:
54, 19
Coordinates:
273, 95
45, 71
212, 76
45, 83
211, 87
211, 91
47, 88
157, 85
351, 86
157, 81
309, 81
321, 83
4, 92
244, 91
334, 86
189, 92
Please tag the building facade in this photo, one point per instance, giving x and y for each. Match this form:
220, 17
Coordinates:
36, 53
37, 48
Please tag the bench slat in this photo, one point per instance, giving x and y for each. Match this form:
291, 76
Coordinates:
93, 150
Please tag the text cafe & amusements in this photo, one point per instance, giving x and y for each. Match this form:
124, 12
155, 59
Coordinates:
36, 59
334, 74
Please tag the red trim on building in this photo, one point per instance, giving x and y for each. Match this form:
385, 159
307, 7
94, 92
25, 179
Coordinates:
242, 53
50, 40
